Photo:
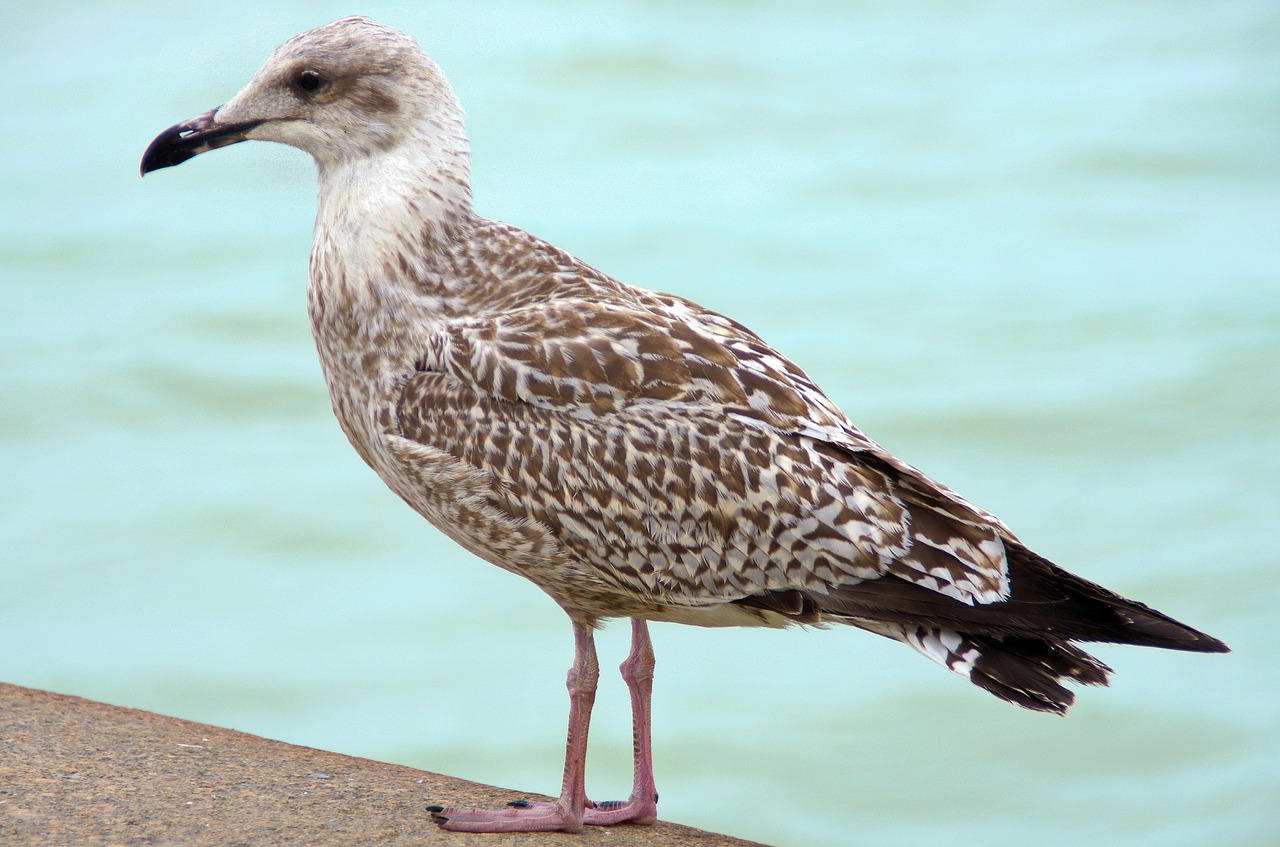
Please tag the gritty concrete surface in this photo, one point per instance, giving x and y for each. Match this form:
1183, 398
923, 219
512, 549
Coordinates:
77, 773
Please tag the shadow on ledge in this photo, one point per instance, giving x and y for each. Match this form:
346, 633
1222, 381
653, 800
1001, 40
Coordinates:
77, 772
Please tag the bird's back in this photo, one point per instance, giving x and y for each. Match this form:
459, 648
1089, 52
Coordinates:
635, 454
667, 452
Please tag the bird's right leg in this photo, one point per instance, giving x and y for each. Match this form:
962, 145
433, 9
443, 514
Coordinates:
637, 671
566, 813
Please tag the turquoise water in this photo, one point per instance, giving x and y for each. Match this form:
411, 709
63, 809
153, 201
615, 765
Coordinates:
1033, 248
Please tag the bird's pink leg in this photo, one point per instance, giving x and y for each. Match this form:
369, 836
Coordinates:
637, 671
567, 812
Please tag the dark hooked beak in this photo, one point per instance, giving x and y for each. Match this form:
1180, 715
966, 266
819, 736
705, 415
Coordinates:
191, 138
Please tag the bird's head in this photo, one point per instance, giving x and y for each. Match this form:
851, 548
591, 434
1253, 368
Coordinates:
341, 92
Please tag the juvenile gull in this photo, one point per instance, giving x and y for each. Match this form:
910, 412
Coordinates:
630, 452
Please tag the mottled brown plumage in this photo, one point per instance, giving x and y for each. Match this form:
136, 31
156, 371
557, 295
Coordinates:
631, 453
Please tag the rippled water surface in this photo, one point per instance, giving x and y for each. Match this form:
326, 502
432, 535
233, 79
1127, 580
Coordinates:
1033, 248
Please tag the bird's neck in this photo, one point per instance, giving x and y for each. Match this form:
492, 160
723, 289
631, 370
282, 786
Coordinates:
384, 225
382, 219
418, 189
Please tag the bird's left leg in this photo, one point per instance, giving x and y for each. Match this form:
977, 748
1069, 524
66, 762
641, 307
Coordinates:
566, 813
642, 806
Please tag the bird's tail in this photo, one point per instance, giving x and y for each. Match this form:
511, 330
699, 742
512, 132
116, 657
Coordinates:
1020, 649
1026, 671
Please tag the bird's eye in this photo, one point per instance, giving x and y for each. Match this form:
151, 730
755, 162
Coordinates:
310, 80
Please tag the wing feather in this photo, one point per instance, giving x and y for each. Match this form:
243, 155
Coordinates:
684, 459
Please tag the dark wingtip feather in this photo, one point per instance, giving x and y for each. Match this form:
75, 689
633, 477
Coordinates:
1044, 601
1146, 627
1018, 649
1091, 612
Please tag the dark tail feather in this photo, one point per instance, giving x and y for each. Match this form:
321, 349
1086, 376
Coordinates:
1019, 649
1028, 671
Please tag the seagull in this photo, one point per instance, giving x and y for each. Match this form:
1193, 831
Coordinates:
630, 452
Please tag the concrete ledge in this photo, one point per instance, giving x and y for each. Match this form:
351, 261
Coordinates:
77, 772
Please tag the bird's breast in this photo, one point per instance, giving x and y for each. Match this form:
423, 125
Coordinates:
368, 332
